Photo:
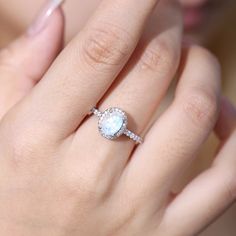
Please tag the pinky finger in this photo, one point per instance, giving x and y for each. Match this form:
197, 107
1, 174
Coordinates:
211, 193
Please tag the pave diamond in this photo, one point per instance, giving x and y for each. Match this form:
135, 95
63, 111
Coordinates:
112, 123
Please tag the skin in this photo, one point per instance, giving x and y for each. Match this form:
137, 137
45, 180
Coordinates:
47, 161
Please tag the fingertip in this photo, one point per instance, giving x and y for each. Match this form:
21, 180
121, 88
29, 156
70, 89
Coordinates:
227, 119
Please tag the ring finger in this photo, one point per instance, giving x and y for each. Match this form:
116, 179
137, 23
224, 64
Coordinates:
139, 87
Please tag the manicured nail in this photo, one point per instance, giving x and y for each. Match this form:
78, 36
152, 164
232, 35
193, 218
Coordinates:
42, 19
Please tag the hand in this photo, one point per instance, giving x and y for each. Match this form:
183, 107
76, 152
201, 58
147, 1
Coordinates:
59, 176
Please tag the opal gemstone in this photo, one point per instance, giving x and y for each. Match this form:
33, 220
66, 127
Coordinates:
112, 124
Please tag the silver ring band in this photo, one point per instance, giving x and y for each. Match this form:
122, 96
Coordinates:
113, 123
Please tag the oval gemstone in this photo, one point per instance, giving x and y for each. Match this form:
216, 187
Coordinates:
112, 124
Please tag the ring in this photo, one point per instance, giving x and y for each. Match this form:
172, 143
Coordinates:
113, 123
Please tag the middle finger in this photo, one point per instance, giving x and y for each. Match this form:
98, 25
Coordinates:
85, 69
139, 89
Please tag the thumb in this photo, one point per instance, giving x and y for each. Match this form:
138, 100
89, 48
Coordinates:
24, 61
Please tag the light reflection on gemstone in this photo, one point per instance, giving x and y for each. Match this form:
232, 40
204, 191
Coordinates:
112, 124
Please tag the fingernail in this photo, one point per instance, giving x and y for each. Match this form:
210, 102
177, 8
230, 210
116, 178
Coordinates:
42, 19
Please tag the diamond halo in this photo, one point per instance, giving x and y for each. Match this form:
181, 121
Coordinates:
113, 123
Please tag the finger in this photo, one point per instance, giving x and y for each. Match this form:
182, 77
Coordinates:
24, 61
139, 88
85, 69
207, 196
177, 136
227, 119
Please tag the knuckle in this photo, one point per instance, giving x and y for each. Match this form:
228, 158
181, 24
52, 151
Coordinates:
22, 150
105, 47
83, 185
160, 57
201, 107
26, 146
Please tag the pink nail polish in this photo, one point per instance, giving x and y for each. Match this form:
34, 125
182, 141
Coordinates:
41, 20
